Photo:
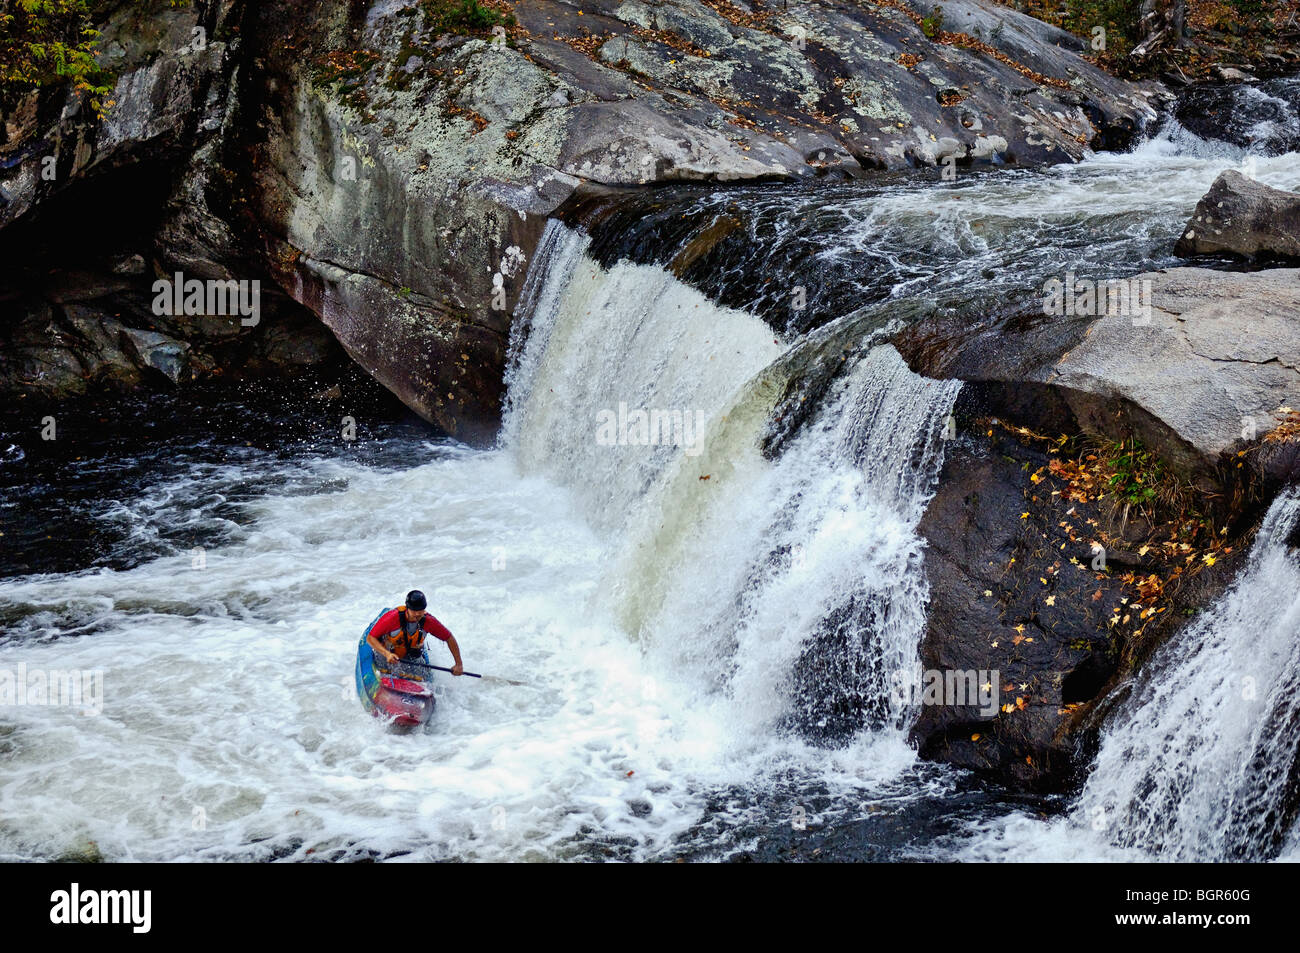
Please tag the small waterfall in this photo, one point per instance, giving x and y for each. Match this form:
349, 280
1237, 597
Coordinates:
617, 373
1262, 117
1201, 762
787, 592
800, 580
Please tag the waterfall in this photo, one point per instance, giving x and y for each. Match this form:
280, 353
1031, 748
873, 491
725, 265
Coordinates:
1260, 117
1201, 762
788, 593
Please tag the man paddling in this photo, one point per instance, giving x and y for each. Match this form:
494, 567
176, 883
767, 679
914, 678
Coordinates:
400, 632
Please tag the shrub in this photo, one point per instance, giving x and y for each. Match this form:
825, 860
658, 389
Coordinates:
463, 16
49, 42
933, 24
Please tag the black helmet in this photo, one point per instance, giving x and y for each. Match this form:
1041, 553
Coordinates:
415, 600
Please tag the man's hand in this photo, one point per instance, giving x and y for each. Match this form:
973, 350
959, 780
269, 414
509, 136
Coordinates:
458, 669
391, 658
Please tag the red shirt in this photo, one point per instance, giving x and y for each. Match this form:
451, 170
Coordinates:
388, 630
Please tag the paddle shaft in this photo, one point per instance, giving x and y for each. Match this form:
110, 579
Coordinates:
438, 667
486, 678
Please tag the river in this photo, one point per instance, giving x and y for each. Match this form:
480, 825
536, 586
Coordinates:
655, 599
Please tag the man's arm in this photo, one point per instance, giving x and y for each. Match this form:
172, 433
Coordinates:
385, 623
439, 631
459, 667
379, 649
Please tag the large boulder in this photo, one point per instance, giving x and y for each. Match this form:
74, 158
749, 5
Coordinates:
1202, 375
1243, 217
388, 149
1019, 583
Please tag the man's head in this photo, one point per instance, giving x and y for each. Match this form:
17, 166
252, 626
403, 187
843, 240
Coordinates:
416, 604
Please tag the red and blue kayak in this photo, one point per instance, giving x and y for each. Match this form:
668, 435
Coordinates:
400, 694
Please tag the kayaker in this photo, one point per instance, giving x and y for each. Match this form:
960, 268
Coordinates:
401, 631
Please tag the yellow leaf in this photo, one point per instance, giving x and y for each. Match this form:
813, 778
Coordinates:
1051, 600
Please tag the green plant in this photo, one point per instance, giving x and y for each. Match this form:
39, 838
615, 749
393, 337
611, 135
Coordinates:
1137, 472
1120, 18
49, 42
932, 25
463, 16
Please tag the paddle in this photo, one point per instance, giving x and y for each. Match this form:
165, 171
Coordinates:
486, 678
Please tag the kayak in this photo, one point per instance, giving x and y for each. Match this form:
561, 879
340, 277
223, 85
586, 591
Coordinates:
400, 694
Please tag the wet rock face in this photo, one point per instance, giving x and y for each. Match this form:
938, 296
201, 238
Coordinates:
1201, 380
1021, 593
1243, 217
79, 333
1006, 601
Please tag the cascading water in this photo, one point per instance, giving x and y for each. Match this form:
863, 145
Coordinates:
1201, 762
1261, 117
973, 244
765, 583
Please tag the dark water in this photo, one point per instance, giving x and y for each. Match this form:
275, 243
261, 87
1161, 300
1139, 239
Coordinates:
80, 500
